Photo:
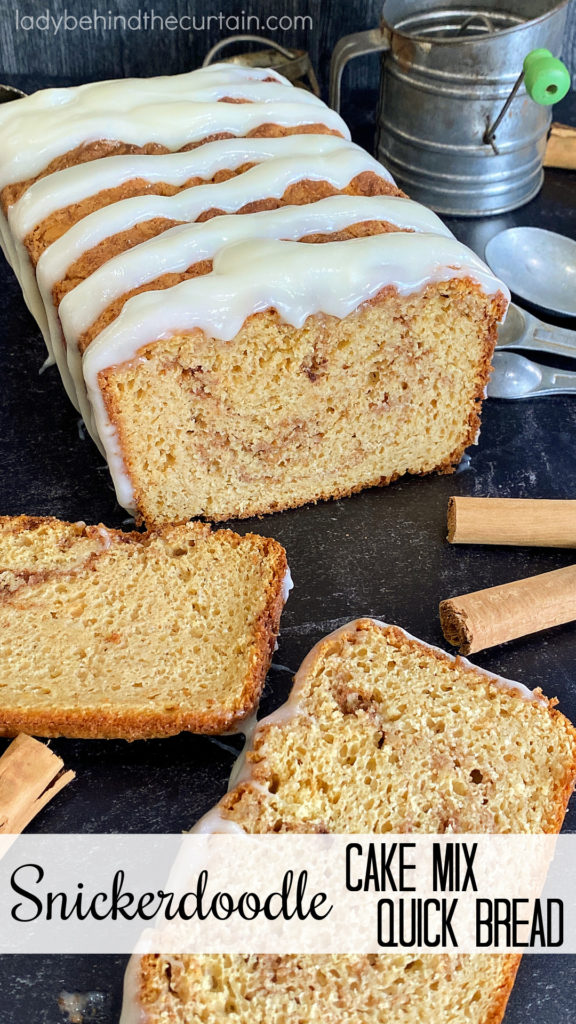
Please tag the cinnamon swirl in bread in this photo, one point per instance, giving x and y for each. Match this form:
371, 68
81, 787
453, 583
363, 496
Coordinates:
134, 635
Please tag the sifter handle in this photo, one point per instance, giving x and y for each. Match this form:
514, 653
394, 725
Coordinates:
546, 78
374, 40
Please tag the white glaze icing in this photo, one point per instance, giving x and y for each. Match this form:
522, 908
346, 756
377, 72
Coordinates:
266, 180
213, 822
179, 248
296, 279
5, 237
287, 584
250, 273
127, 92
132, 1010
171, 111
73, 184
24, 271
184, 108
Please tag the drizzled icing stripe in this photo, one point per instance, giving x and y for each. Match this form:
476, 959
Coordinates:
129, 92
69, 108
267, 180
173, 125
66, 186
179, 248
184, 106
270, 178
295, 279
74, 184
176, 121
288, 276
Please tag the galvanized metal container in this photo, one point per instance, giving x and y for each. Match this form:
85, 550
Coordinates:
447, 71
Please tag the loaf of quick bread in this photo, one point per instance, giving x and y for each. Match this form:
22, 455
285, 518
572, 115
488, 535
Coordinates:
381, 734
134, 635
246, 310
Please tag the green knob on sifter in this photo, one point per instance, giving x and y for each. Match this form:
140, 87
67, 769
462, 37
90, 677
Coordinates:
546, 78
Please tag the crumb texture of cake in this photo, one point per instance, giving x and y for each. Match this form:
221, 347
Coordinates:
247, 312
381, 734
322, 989
134, 635
282, 415
419, 741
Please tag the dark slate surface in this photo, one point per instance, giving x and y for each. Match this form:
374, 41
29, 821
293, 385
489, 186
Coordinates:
380, 553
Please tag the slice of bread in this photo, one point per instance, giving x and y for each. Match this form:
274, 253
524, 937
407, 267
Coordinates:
381, 734
279, 416
322, 989
134, 635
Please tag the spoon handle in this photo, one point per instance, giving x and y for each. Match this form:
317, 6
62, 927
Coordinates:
556, 382
557, 340
536, 336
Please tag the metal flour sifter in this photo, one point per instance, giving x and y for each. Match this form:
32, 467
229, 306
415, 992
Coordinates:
465, 97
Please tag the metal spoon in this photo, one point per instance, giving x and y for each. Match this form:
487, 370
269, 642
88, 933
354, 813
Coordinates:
515, 376
538, 265
523, 330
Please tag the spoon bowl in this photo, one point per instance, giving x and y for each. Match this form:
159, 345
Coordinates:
514, 376
538, 265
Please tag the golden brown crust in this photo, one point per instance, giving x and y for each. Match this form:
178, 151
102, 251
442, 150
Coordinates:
57, 223
310, 191
82, 154
129, 724
502, 993
86, 264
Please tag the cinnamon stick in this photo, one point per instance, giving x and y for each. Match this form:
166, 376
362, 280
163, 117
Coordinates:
30, 775
532, 522
485, 618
